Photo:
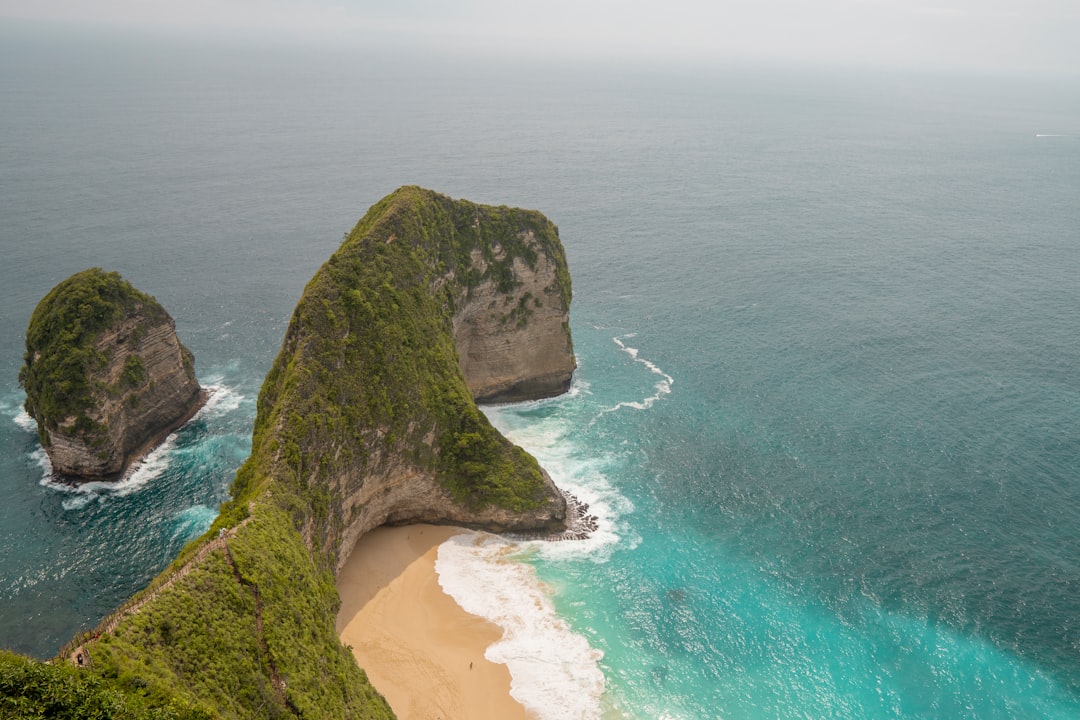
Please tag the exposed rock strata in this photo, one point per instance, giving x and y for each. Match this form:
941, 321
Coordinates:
515, 346
136, 385
400, 494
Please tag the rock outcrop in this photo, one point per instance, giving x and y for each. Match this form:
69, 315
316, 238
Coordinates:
516, 345
106, 377
428, 303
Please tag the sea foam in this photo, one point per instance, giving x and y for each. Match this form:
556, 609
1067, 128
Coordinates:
555, 673
221, 401
579, 471
23, 420
82, 494
663, 387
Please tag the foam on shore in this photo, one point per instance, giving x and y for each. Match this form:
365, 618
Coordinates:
555, 672
221, 399
27, 423
582, 472
82, 494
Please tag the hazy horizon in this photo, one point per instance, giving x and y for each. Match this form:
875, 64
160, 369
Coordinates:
952, 37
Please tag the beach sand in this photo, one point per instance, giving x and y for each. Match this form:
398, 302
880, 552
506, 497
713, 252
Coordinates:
419, 648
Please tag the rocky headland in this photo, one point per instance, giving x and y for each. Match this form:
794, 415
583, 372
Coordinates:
105, 375
366, 418
511, 327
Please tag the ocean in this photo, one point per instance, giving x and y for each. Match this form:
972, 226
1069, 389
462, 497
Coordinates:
828, 325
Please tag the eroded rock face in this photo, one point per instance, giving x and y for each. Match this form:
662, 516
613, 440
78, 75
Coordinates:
369, 412
516, 346
140, 415
397, 492
134, 385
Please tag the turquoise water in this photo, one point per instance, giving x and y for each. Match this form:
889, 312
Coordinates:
828, 326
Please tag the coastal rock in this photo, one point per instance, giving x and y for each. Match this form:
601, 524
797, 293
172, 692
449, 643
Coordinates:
428, 304
516, 345
105, 375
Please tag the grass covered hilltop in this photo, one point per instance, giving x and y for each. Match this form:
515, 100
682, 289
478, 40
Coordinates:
366, 418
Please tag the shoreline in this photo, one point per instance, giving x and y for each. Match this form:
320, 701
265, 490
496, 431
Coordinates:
419, 648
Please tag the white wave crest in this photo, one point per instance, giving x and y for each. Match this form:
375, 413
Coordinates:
41, 459
222, 399
578, 471
78, 502
149, 468
663, 387
578, 387
555, 673
26, 422
135, 479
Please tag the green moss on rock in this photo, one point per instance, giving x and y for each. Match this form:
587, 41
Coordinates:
60, 346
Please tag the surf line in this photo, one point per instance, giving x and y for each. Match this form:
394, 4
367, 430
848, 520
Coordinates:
221, 399
663, 387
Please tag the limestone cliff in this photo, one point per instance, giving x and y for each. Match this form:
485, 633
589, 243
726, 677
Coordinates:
105, 375
515, 345
367, 417
428, 302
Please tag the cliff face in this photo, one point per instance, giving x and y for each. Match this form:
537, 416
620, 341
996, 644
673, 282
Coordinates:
516, 345
137, 409
106, 376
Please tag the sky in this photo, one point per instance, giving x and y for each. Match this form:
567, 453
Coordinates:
1012, 36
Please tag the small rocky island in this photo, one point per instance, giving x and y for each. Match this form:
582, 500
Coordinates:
105, 376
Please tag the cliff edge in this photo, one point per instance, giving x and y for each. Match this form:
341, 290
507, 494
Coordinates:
367, 417
105, 375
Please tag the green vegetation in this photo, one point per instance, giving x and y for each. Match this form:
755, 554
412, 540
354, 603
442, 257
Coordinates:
245, 632
60, 347
30, 690
134, 373
368, 365
242, 624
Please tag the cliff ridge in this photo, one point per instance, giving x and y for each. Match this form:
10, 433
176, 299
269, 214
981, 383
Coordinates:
371, 397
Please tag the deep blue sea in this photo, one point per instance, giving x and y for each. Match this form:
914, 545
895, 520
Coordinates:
828, 328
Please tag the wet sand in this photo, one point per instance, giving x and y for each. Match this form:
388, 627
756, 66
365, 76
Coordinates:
419, 648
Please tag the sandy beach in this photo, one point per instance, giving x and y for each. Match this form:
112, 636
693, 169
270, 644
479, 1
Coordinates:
419, 648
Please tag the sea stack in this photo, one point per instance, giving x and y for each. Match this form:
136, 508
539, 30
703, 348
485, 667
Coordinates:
105, 375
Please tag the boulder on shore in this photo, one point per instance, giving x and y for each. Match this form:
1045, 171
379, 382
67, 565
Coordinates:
105, 375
